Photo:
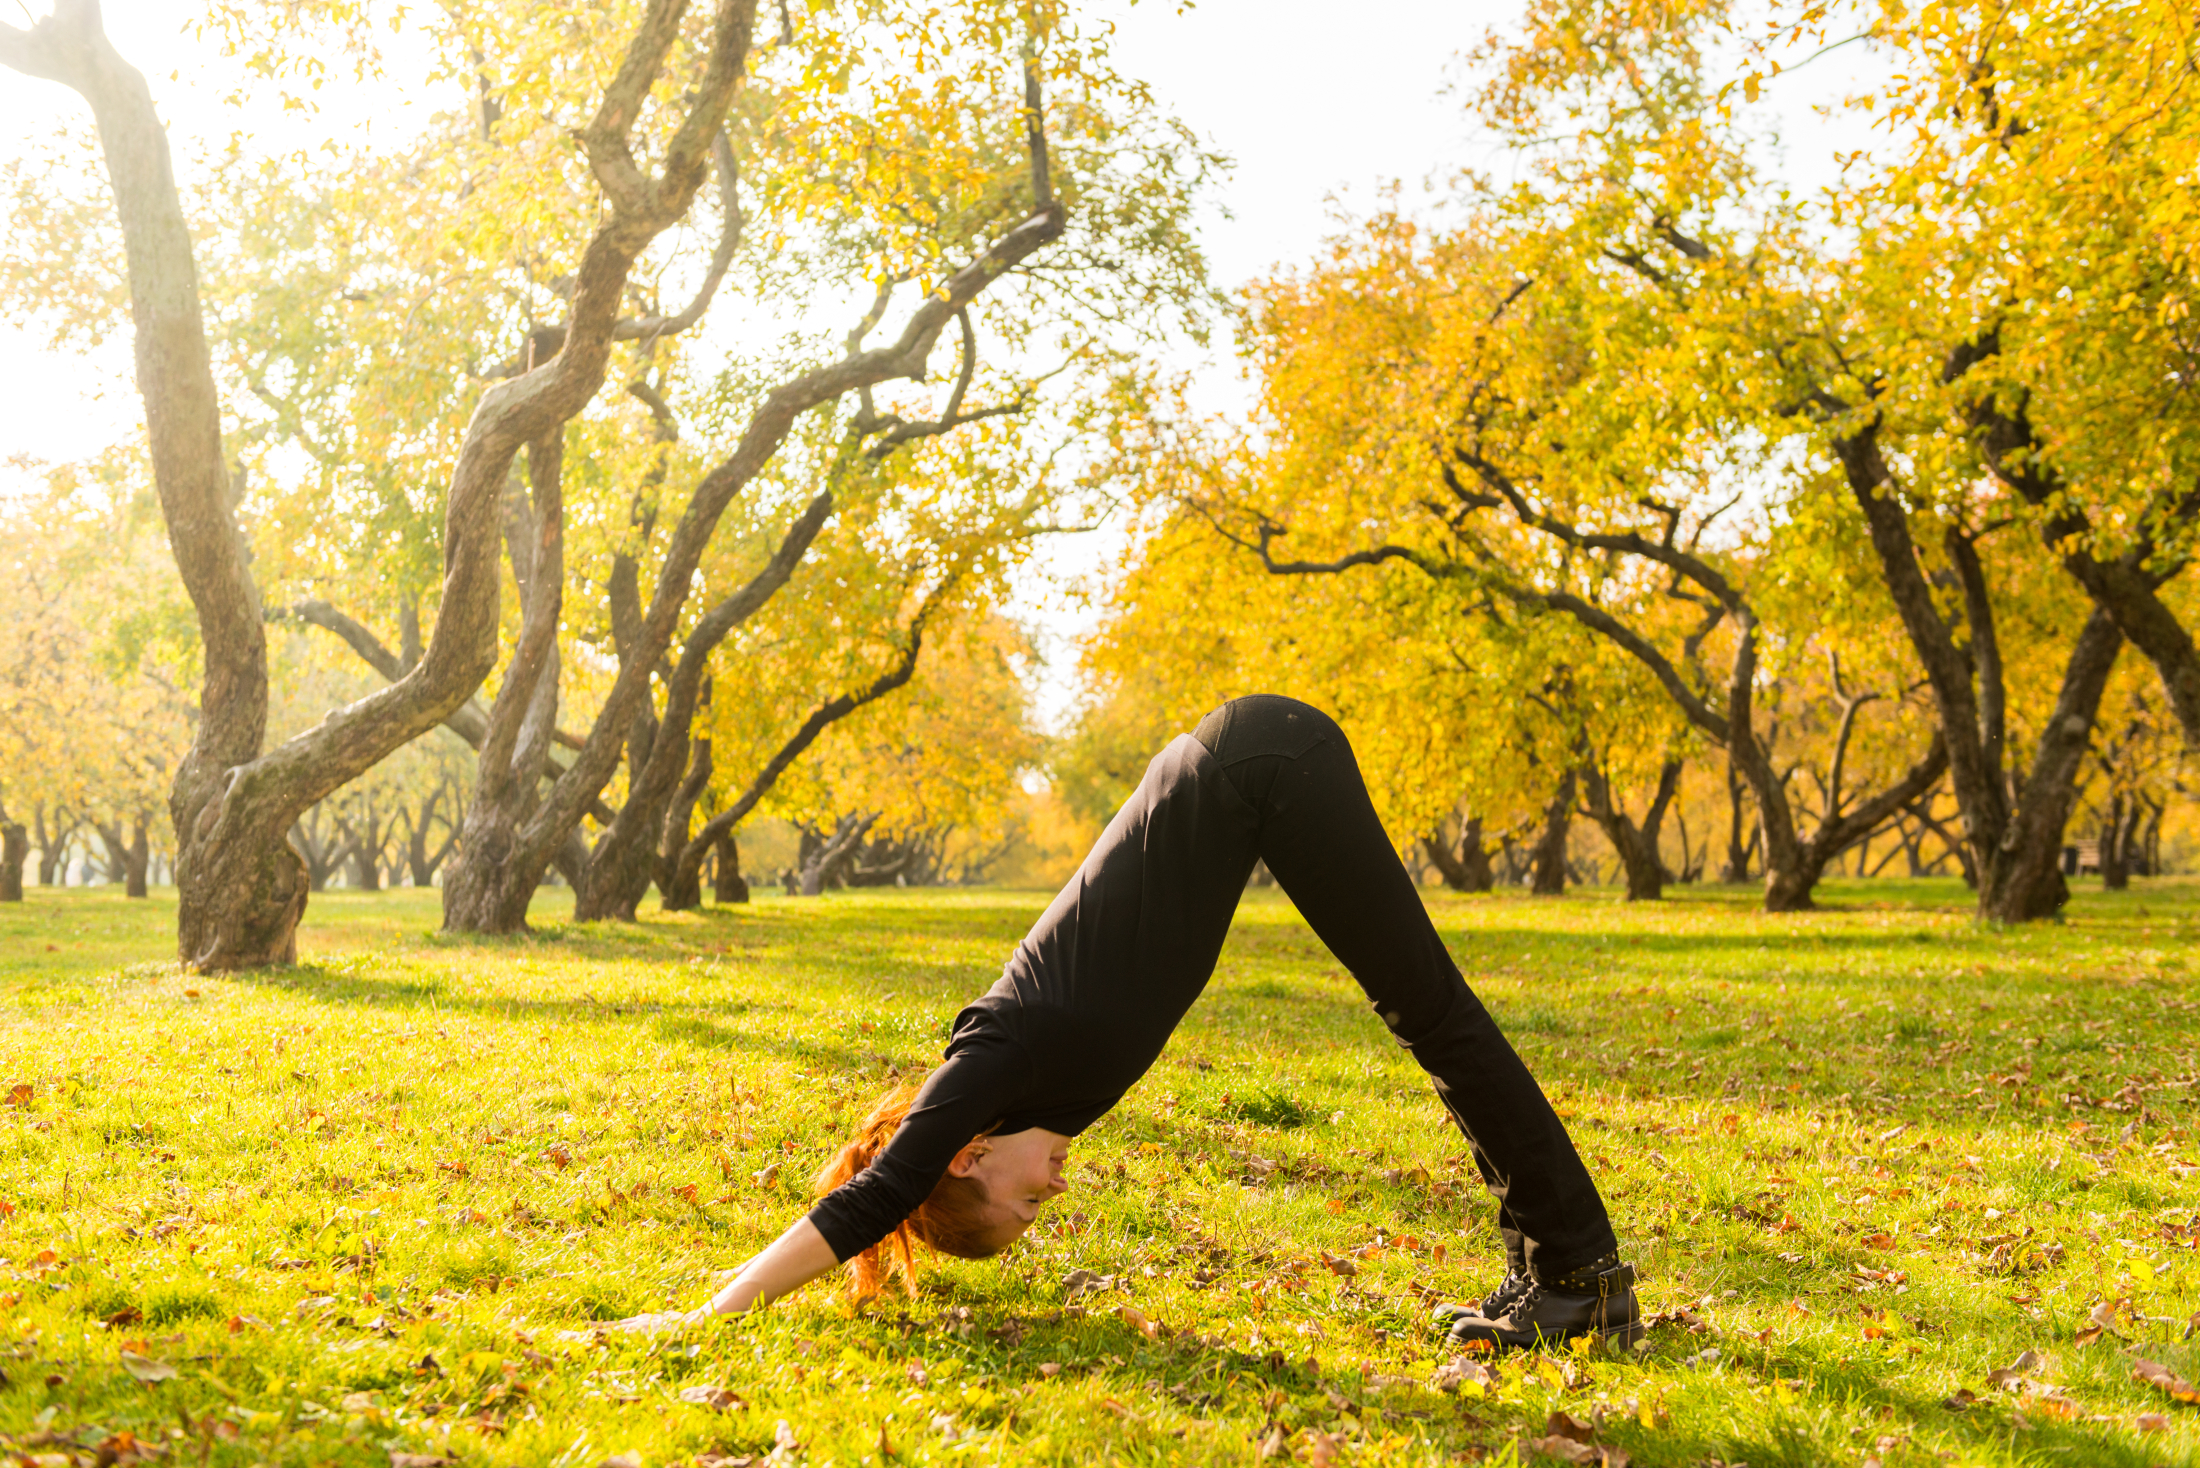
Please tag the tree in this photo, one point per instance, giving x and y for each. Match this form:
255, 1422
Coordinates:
241, 890
1495, 449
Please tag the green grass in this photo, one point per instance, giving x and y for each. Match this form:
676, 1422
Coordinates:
376, 1203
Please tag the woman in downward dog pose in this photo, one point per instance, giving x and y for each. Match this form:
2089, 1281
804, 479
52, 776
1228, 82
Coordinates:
1092, 994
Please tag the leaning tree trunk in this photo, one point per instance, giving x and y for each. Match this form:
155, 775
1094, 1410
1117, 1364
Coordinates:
1547, 876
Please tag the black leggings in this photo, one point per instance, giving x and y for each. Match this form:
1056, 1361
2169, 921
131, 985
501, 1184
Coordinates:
1319, 835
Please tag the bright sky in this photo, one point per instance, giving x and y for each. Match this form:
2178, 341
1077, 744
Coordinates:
1320, 107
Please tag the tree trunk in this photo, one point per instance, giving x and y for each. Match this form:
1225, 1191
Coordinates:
2016, 842
135, 858
729, 886
1736, 868
1468, 869
824, 856
127, 857
53, 848
2115, 856
488, 886
1548, 873
15, 849
1636, 847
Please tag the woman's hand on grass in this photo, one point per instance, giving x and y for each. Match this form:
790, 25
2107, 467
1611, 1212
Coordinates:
795, 1258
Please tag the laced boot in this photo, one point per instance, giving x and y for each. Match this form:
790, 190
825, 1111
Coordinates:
1497, 1301
1596, 1299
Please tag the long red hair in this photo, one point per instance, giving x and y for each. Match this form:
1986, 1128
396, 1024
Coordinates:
950, 1221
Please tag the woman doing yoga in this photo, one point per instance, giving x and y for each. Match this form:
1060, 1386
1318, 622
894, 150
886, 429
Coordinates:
1092, 994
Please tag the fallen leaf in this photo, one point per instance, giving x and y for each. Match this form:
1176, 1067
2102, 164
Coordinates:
558, 1157
1050, 1368
622, 1460
1564, 1449
1460, 1372
2012, 1376
1879, 1241
1272, 1445
716, 1398
1322, 1447
145, 1368
399, 1459
1963, 1398
2155, 1374
1343, 1268
20, 1094
1566, 1424
764, 1177
2101, 1320
1137, 1320
358, 1402
2151, 1422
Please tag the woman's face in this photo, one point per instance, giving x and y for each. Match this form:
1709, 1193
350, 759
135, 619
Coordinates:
1018, 1172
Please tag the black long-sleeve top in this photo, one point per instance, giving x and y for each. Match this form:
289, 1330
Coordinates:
1090, 996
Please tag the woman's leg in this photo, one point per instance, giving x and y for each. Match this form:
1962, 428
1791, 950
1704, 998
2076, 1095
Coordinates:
1320, 837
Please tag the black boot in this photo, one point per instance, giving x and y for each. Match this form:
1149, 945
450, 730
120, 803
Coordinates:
1596, 1299
1499, 1300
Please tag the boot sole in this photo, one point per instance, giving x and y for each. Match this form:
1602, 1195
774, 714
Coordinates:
1616, 1335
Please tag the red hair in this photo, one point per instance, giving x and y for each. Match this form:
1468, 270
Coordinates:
951, 1221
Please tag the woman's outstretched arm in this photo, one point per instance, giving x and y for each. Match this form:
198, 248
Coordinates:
795, 1258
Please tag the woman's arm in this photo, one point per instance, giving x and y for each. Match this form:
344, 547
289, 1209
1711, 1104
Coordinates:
795, 1258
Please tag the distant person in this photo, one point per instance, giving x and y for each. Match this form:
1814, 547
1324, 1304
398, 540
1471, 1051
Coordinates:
1094, 991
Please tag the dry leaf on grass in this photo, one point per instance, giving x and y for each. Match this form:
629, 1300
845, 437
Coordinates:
145, 1368
2012, 1377
2154, 1374
1566, 1450
2151, 1422
1137, 1320
2101, 1321
401, 1459
716, 1398
1460, 1372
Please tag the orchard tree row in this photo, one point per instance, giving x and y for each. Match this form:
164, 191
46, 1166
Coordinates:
1875, 504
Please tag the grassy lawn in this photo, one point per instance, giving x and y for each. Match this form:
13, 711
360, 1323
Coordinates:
372, 1206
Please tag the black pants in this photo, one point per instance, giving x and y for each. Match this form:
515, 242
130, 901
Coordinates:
1318, 832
